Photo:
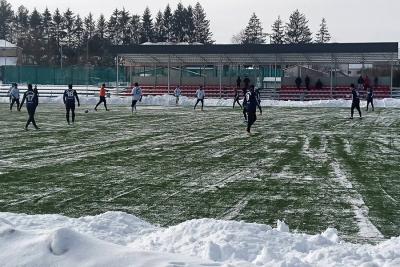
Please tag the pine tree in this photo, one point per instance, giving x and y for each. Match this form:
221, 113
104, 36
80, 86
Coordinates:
90, 27
323, 35
135, 29
34, 45
123, 27
81, 33
49, 38
6, 18
68, 26
147, 31
278, 32
47, 24
297, 30
101, 27
190, 33
201, 26
167, 18
58, 22
159, 29
253, 33
112, 28
21, 29
178, 24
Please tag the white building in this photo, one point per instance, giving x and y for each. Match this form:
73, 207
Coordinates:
10, 54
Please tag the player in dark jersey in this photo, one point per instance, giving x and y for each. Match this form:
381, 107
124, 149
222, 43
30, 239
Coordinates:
69, 101
252, 105
258, 97
370, 98
236, 98
356, 101
31, 103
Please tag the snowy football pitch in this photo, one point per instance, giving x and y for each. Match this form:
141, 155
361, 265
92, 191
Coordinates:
310, 167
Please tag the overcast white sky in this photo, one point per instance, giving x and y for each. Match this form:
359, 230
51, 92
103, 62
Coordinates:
348, 20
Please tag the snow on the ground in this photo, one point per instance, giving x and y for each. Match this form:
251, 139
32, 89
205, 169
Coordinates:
168, 100
120, 239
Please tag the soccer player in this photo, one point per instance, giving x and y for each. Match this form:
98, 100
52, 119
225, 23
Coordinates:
14, 96
69, 101
356, 101
236, 98
200, 94
103, 93
258, 97
370, 98
31, 104
244, 104
252, 104
177, 94
136, 96
36, 91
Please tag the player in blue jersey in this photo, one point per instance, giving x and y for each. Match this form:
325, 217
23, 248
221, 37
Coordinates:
69, 101
31, 104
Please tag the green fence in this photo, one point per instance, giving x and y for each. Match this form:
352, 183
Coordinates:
59, 76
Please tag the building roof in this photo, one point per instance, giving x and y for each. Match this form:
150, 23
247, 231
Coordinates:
6, 44
257, 54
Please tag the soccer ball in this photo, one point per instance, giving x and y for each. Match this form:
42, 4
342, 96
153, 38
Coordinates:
87, 111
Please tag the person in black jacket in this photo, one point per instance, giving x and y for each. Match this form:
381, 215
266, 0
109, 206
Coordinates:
370, 98
69, 101
307, 81
298, 82
252, 103
356, 101
31, 104
236, 98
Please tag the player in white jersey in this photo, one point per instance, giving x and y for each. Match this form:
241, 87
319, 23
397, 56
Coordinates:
14, 96
177, 94
200, 94
136, 96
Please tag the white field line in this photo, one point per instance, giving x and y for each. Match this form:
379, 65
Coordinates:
366, 228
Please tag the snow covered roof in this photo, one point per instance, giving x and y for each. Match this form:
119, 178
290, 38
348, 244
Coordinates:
260, 54
5, 44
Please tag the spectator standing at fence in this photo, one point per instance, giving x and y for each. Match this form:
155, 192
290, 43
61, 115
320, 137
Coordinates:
200, 94
69, 101
298, 82
307, 81
236, 98
251, 101
31, 104
356, 101
177, 94
360, 83
102, 94
370, 98
14, 96
246, 82
238, 82
136, 96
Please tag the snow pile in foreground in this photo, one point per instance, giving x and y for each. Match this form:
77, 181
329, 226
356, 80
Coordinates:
168, 100
120, 239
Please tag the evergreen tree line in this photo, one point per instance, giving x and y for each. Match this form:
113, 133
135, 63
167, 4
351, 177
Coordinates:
44, 36
295, 31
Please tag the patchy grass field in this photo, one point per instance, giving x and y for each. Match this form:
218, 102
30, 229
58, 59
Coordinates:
311, 167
